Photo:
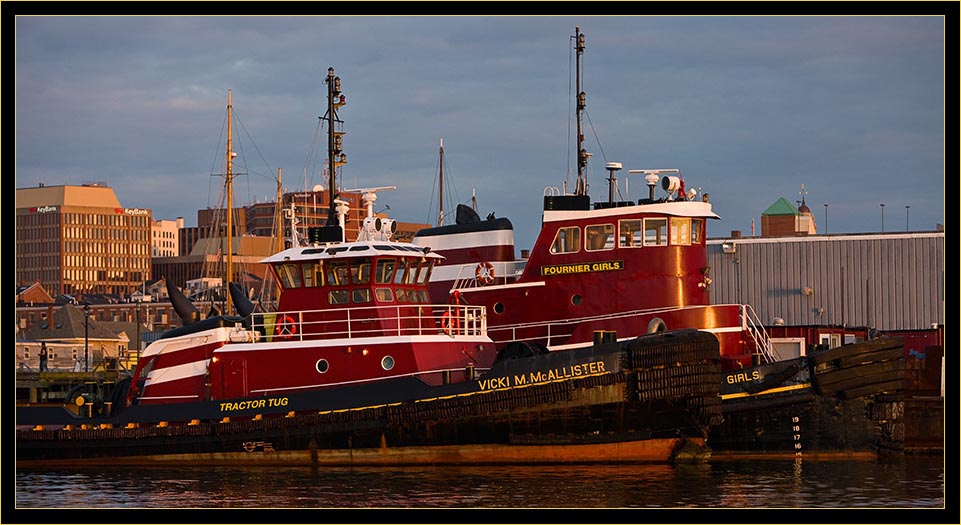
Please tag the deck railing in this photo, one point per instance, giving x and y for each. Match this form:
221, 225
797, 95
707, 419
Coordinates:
409, 319
505, 272
760, 337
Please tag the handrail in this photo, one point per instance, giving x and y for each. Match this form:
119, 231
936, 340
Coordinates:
505, 272
406, 319
762, 341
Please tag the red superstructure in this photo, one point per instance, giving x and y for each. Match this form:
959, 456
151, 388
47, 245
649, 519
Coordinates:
349, 314
624, 266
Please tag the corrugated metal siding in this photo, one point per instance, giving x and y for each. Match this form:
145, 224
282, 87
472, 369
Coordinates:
890, 282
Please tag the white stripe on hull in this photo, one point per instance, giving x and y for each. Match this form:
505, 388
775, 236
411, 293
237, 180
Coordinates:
160, 376
185, 342
457, 241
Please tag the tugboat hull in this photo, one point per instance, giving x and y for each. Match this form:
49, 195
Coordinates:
842, 402
652, 399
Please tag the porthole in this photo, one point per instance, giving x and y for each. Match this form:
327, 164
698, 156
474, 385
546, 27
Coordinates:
387, 362
322, 366
498, 308
576, 299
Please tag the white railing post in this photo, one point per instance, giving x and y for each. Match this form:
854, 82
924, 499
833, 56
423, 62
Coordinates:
300, 322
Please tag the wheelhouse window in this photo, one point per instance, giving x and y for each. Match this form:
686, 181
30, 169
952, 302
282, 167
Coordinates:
313, 274
412, 267
424, 274
360, 271
360, 295
401, 272
337, 273
385, 270
631, 235
289, 275
680, 231
599, 237
567, 240
655, 232
696, 225
338, 296
384, 295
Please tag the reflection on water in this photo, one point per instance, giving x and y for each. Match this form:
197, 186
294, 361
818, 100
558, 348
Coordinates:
910, 482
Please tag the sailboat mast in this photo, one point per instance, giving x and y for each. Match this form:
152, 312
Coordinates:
279, 212
440, 218
335, 155
582, 154
230, 198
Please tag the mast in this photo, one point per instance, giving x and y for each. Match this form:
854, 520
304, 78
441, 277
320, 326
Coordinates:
278, 212
335, 155
582, 154
230, 200
440, 218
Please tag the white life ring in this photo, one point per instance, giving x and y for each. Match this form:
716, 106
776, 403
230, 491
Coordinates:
484, 273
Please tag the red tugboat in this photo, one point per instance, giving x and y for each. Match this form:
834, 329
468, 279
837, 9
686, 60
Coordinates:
641, 268
358, 367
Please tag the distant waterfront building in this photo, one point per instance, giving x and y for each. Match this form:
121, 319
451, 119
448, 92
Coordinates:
208, 259
888, 281
165, 237
311, 209
79, 240
782, 219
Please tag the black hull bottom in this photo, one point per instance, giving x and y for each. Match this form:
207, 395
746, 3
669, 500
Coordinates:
812, 425
843, 402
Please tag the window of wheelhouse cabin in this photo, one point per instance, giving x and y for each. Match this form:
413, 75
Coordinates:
410, 271
401, 272
289, 275
631, 235
385, 270
680, 231
599, 237
655, 232
340, 296
412, 268
424, 274
360, 270
567, 240
313, 274
384, 274
696, 236
360, 295
336, 273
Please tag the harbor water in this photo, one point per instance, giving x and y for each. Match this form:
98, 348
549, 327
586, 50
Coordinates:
910, 482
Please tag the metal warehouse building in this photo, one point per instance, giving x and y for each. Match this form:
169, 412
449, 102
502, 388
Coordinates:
889, 281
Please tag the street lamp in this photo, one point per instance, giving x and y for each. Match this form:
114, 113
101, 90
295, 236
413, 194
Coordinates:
138, 331
86, 338
825, 218
882, 217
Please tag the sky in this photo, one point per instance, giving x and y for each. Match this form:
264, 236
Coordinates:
749, 108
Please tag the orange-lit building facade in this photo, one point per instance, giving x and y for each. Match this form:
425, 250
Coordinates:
79, 240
